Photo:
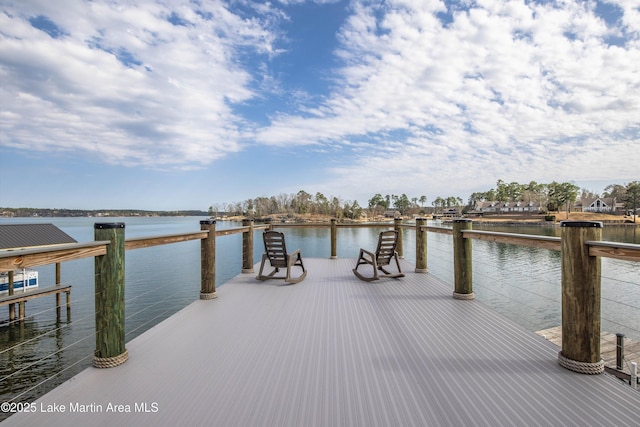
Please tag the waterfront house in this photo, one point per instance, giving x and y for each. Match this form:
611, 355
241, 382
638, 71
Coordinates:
601, 205
392, 214
451, 213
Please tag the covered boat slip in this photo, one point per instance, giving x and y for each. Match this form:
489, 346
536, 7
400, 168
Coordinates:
336, 351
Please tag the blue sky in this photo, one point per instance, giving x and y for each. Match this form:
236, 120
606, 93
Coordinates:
180, 104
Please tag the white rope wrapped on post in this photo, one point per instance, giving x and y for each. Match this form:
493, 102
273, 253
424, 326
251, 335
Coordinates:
581, 367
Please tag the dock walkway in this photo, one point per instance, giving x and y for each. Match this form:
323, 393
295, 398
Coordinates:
336, 351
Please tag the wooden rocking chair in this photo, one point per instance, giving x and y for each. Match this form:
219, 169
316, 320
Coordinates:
387, 242
275, 252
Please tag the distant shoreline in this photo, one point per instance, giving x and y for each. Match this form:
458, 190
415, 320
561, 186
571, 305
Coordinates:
86, 213
606, 219
496, 219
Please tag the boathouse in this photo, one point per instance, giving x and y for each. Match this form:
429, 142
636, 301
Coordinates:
22, 236
14, 237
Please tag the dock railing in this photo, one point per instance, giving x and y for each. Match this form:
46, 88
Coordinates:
580, 245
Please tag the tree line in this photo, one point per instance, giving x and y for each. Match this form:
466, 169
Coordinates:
556, 196
305, 203
302, 203
299, 203
551, 197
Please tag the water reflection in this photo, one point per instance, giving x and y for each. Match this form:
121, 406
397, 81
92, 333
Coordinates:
41, 352
613, 233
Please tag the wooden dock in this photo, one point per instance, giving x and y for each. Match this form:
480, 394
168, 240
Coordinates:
608, 344
336, 351
21, 298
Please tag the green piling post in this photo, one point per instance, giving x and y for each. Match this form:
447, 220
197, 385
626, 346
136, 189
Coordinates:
208, 261
247, 246
334, 237
581, 279
462, 260
421, 246
397, 222
109, 298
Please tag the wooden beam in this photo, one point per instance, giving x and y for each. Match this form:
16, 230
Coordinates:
440, 230
146, 242
32, 294
389, 224
530, 240
231, 231
28, 258
623, 251
301, 225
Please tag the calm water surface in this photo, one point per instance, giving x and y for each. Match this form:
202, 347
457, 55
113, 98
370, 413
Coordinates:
521, 283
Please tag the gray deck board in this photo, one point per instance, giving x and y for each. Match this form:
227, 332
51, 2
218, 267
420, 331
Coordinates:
336, 351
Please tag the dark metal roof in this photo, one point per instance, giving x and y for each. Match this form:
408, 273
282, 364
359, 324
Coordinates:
336, 351
15, 236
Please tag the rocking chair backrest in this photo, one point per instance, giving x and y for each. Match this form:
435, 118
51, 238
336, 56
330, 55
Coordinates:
387, 242
275, 248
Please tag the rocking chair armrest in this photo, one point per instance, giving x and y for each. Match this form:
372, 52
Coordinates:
294, 254
297, 251
371, 254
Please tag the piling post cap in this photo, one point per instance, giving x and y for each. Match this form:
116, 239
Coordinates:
333, 219
619, 335
107, 225
207, 221
581, 224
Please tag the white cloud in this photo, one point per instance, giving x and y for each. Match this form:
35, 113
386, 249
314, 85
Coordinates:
126, 83
430, 94
529, 91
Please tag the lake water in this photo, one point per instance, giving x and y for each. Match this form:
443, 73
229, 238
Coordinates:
43, 351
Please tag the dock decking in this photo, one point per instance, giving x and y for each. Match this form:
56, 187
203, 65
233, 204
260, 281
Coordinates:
336, 351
